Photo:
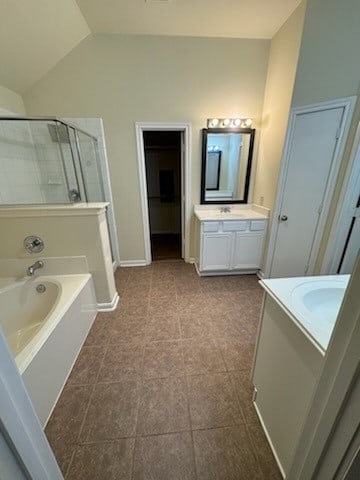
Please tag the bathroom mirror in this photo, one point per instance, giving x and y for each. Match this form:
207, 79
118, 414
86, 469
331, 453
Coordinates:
226, 164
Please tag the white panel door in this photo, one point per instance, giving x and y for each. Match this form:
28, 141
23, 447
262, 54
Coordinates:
216, 251
311, 155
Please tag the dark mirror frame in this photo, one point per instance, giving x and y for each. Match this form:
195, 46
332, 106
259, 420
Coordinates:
205, 132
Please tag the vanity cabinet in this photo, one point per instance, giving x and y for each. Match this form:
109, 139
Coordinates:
230, 246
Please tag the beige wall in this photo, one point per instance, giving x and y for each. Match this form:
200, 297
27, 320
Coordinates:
283, 59
329, 68
125, 79
11, 101
329, 64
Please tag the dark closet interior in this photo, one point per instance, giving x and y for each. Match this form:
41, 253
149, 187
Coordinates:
163, 176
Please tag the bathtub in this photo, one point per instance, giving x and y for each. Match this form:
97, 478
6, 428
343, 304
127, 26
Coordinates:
45, 320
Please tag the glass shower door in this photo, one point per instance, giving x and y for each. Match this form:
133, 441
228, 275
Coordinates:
89, 159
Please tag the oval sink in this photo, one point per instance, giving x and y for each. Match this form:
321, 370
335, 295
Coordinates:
317, 303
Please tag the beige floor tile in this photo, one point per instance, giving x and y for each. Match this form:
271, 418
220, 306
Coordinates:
164, 457
63, 428
87, 365
163, 406
237, 354
163, 327
225, 454
122, 360
266, 460
243, 389
103, 461
202, 356
163, 359
130, 328
112, 411
212, 401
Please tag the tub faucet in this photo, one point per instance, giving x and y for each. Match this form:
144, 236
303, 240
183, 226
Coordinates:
31, 270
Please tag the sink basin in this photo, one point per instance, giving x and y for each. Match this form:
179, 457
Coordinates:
216, 214
317, 304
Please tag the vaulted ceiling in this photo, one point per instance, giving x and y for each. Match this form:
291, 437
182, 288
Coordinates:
36, 34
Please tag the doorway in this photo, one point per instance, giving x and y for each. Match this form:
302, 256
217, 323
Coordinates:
162, 152
147, 135
344, 238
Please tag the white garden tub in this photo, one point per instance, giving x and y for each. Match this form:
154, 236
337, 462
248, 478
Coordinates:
45, 320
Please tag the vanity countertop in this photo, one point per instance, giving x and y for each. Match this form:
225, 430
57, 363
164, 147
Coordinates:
237, 212
313, 303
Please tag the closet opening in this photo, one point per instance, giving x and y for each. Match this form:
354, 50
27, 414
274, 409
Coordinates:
162, 154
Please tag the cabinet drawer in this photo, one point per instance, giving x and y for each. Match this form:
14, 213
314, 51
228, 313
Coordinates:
210, 226
235, 225
257, 225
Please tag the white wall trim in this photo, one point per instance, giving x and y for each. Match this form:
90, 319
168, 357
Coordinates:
110, 306
133, 263
348, 103
141, 127
104, 165
343, 216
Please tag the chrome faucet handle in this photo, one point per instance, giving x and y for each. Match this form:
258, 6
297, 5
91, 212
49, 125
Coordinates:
34, 244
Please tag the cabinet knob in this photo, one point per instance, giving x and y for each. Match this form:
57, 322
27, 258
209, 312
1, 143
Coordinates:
283, 218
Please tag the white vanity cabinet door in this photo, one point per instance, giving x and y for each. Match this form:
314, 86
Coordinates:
216, 251
247, 250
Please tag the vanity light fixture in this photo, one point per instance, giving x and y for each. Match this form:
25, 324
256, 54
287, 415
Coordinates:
213, 122
229, 122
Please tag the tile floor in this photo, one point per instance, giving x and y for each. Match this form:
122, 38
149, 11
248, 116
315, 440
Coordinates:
161, 387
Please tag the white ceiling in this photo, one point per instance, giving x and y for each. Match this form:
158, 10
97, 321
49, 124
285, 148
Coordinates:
36, 34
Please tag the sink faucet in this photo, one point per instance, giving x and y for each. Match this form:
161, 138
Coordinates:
225, 209
31, 270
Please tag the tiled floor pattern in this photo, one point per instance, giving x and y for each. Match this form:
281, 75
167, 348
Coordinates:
160, 390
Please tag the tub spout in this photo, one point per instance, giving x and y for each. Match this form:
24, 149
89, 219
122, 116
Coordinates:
32, 269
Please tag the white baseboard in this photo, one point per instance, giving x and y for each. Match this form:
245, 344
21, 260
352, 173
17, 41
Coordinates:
109, 307
190, 260
269, 441
260, 274
133, 263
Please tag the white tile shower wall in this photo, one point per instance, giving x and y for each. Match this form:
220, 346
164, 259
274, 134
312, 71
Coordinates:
19, 172
52, 180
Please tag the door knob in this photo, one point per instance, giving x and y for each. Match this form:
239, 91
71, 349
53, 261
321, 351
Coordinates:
283, 218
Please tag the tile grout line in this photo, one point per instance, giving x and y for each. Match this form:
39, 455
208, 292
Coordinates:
132, 471
189, 413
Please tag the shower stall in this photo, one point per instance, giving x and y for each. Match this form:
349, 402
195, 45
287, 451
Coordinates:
46, 161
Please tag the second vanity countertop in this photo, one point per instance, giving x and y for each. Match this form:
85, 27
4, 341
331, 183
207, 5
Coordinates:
237, 212
312, 302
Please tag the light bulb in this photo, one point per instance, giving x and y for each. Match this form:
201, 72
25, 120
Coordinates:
236, 122
226, 122
248, 122
214, 122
